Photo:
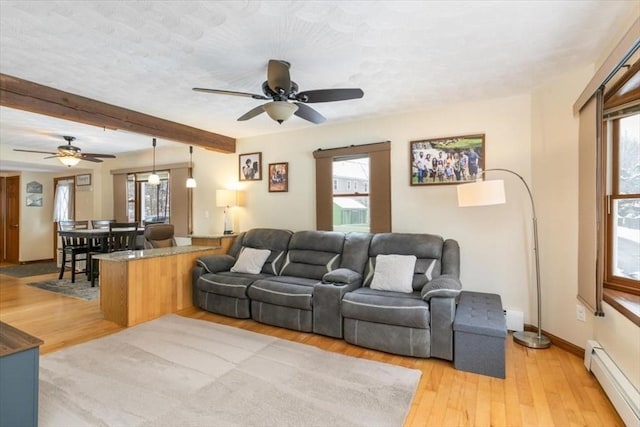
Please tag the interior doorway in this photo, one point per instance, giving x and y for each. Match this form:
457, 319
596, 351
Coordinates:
10, 219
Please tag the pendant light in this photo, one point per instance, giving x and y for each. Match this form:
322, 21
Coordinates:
154, 179
191, 182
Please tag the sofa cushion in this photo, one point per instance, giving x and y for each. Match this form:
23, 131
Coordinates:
394, 273
250, 260
284, 291
227, 283
391, 308
312, 254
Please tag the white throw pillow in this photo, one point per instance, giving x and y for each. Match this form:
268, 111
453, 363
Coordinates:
251, 260
394, 273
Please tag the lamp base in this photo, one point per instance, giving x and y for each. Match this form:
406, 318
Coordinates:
228, 232
531, 339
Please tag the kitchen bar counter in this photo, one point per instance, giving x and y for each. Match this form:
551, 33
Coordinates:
137, 286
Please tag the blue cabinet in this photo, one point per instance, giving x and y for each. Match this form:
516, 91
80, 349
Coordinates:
19, 364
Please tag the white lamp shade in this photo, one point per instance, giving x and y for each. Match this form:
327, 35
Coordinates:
191, 183
481, 193
225, 198
280, 110
154, 179
69, 160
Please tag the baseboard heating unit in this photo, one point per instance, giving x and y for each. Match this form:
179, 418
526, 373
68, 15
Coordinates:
623, 395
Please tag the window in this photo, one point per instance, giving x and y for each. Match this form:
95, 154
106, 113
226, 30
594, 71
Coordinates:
351, 209
63, 202
340, 172
148, 203
622, 268
170, 201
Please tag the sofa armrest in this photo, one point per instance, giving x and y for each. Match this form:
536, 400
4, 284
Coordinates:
446, 285
215, 263
443, 312
343, 276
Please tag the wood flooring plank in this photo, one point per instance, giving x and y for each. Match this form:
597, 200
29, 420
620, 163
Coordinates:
542, 387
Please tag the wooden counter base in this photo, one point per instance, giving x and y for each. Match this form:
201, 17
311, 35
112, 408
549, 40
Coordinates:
142, 288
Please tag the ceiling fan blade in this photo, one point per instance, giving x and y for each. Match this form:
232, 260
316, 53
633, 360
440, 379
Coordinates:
308, 113
278, 77
104, 156
251, 113
91, 159
329, 95
34, 151
230, 92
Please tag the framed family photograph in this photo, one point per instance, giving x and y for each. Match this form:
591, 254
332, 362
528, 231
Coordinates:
83, 179
250, 167
450, 160
278, 177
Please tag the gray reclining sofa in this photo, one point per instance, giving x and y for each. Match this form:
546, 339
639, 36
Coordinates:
318, 281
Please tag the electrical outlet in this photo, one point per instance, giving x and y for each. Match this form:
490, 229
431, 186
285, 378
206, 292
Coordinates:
580, 313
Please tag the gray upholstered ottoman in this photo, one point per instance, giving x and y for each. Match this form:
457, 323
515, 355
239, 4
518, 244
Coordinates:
479, 332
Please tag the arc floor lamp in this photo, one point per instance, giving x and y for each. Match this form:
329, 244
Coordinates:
484, 193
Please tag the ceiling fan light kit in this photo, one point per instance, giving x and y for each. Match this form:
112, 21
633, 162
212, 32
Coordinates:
280, 110
69, 160
285, 98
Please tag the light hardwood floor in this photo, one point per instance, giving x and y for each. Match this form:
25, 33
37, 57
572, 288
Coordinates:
543, 387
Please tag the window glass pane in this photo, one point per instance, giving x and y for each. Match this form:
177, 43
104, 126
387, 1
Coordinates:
626, 238
154, 201
629, 155
131, 198
351, 176
351, 214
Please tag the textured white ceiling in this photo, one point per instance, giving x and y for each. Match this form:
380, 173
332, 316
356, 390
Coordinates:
148, 55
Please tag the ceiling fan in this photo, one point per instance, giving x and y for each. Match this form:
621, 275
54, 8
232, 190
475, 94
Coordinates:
285, 98
70, 155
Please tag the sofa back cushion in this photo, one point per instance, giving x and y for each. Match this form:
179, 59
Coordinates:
427, 248
312, 254
274, 240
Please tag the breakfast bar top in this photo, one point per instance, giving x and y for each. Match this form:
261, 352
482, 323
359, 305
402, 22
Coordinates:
152, 253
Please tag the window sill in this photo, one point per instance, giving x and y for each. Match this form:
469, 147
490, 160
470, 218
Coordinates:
626, 303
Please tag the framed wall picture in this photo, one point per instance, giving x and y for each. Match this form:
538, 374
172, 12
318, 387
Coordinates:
250, 167
83, 179
34, 187
34, 200
451, 160
278, 177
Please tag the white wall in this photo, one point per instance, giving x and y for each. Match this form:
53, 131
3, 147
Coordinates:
555, 172
494, 259
36, 223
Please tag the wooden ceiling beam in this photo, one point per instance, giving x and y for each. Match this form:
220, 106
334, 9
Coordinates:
36, 98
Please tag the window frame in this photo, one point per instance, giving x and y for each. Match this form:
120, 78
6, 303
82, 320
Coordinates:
379, 184
612, 171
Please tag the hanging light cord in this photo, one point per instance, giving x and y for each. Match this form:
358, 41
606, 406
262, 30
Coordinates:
154, 155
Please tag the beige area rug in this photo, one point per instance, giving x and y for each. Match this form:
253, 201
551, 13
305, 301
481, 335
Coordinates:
176, 371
